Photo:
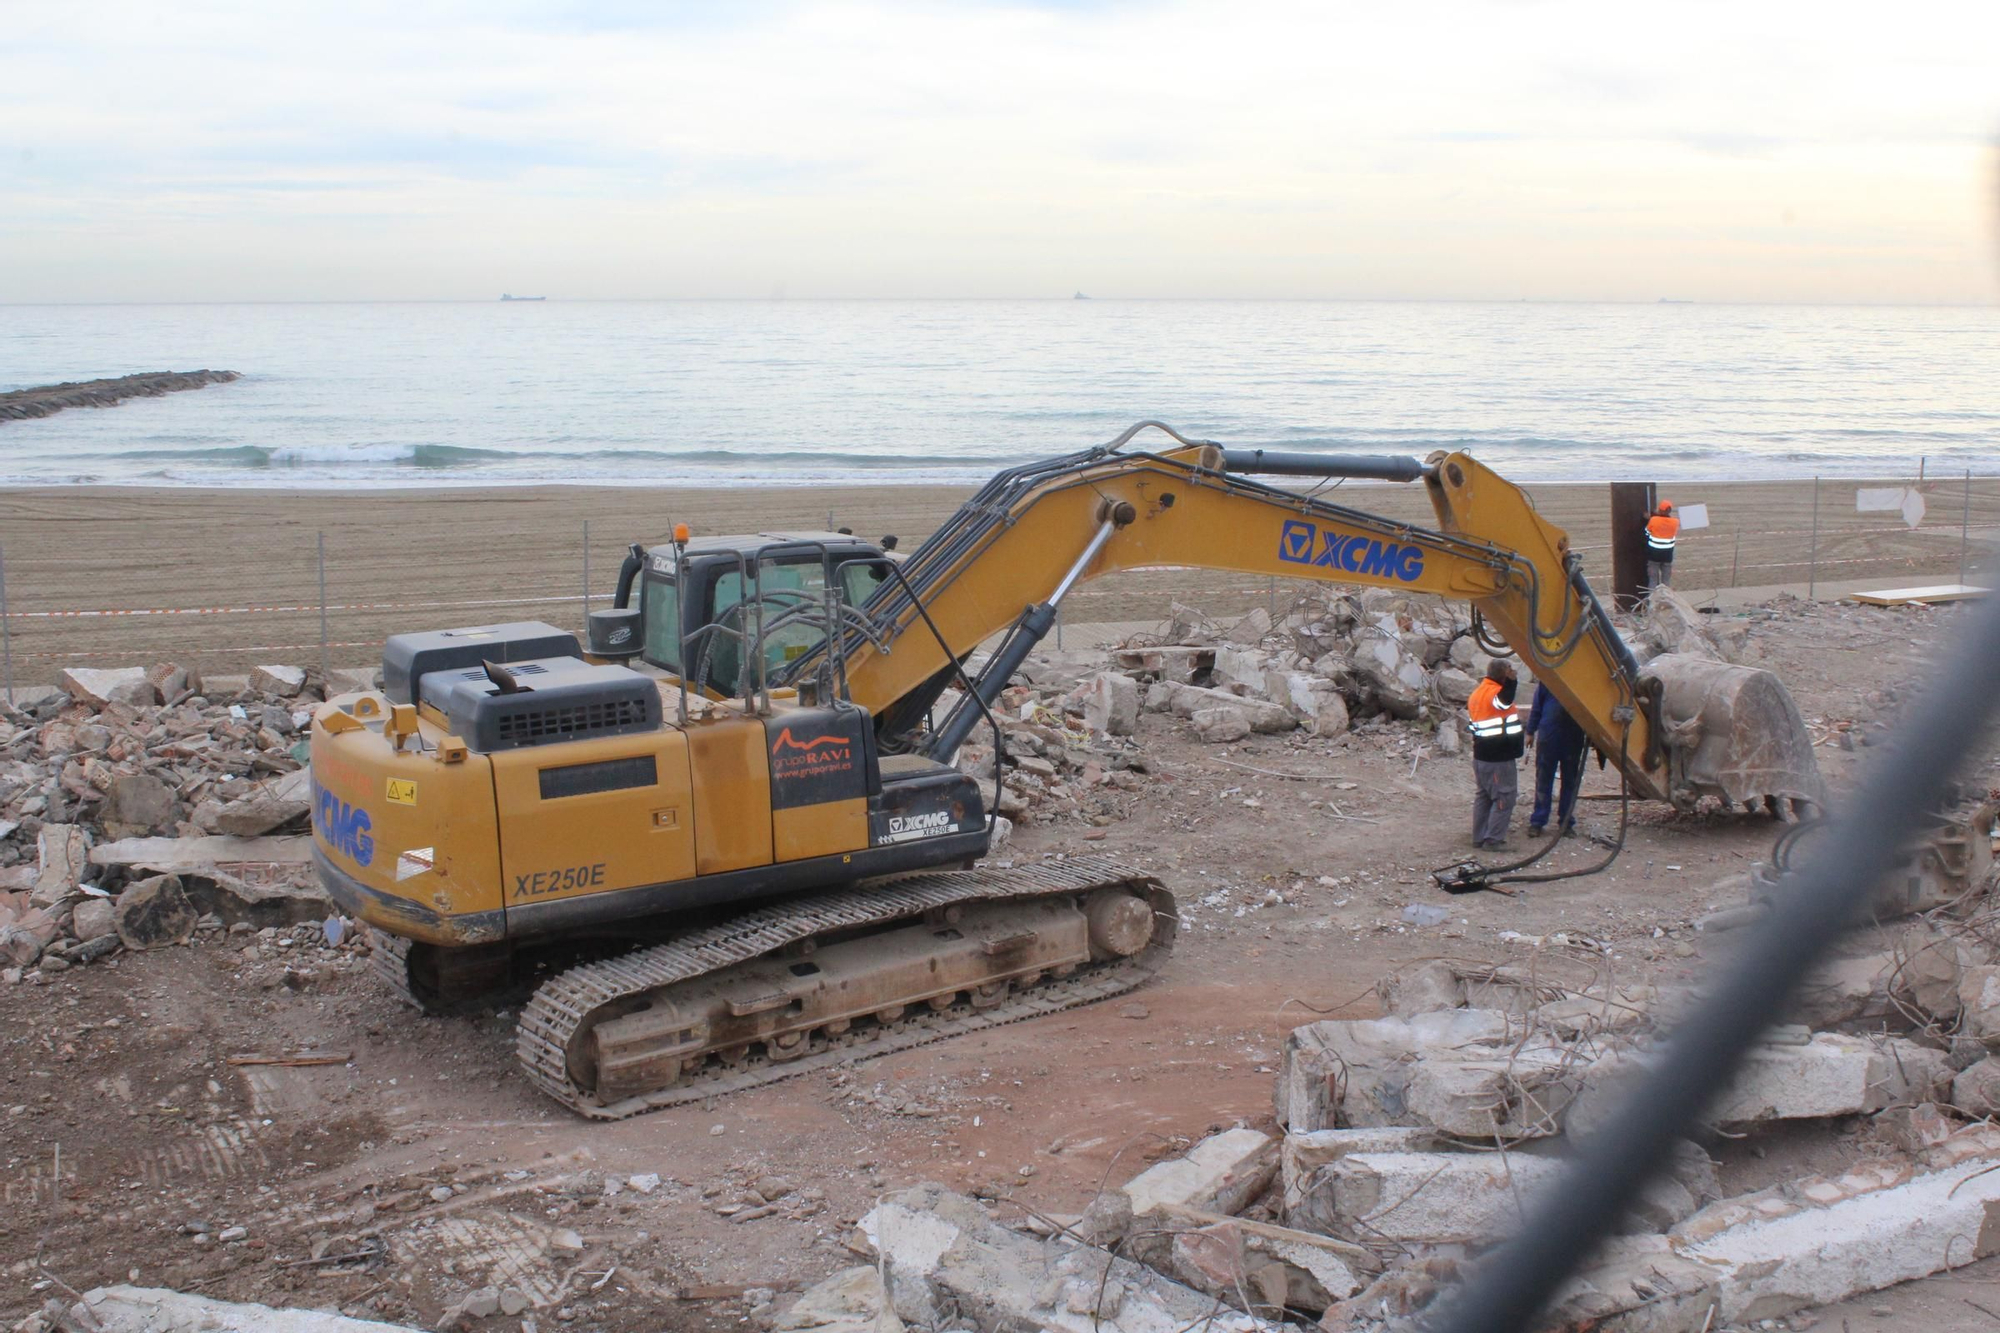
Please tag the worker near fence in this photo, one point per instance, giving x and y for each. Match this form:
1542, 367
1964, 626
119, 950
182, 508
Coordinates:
1559, 744
1663, 529
1496, 729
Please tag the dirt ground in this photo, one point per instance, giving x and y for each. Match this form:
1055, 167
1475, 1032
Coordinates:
419, 1166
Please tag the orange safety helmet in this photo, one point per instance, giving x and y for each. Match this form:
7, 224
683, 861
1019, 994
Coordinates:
1666, 507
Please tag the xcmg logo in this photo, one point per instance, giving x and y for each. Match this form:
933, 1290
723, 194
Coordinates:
1303, 543
346, 827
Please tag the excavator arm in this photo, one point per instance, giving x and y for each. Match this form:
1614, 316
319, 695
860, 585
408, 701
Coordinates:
1012, 552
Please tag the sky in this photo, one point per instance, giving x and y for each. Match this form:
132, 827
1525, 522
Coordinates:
614, 149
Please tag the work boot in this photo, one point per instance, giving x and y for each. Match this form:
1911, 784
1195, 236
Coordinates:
1534, 830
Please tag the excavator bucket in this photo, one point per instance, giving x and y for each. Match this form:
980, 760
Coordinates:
1733, 731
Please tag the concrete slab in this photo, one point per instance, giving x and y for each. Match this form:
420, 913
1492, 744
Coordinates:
1221, 1174
1794, 1254
1433, 1198
944, 1254
124, 1309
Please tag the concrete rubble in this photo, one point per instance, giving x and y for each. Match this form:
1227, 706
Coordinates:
1408, 1145
140, 806
125, 1309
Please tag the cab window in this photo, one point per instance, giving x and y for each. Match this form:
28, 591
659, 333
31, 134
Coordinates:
806, 578
662, 610
859, 581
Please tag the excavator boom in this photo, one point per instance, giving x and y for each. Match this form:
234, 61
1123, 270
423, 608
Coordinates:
1040, 529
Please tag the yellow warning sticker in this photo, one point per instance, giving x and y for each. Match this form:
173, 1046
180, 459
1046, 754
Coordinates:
402, 791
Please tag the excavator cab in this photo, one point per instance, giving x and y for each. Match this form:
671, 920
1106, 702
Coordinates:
719, 594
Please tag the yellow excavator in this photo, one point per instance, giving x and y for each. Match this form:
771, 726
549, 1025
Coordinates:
725, 838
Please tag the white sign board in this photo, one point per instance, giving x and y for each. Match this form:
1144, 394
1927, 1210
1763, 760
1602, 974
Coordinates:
1692, 517
1891, 500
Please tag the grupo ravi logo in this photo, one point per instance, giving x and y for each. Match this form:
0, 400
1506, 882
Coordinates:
809, 756
1303, 543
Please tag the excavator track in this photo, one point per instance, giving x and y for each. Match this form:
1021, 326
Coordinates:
564, 1008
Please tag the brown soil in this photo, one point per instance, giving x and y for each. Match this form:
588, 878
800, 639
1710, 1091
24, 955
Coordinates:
1293, 893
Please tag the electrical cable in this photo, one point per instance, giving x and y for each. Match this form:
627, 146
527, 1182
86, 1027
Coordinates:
1811, 910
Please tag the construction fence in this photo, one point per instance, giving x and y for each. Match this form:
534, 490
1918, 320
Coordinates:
324, 589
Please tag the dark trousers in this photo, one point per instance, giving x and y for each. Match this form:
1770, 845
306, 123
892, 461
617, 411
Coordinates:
1551, 762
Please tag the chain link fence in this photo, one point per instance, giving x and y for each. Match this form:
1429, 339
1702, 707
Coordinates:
225, 581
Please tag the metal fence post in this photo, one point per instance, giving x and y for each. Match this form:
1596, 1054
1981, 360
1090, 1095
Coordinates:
1812, 556
1735, 557
6, 629
325, 661
1965, 527
586, 571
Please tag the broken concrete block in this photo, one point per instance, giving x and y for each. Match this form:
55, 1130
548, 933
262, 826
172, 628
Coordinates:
851, 1301
1434, 1198
258, 814
154, 1310
138, 804
93, 917
1240, 670
1421, 989
1930, 964
1843, 990
121, 685
1274, 1267
1312, 700
945, 1256
1608, 1009
283, 681
1449, 743
1979, 1005
1221, 1174
1976, 1091
154, 913
1111, 704
1823, 1240
1638, 1285
1454, 686
64, 852
26, 935
1830, 1075
1303, 1155
180, 855
1186, 700
1251, 628
1219, 726
1177, 662
1516, 1094
1340, 1074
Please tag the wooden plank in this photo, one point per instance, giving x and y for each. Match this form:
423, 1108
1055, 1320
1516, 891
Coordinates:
1940, 592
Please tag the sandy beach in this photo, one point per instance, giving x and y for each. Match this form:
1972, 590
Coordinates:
425, 558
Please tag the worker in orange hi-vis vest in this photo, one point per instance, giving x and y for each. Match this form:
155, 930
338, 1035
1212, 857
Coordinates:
1497, 745
1662, 531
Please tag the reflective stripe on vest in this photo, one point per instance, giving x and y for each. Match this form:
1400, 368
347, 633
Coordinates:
1661, 537
1507, 724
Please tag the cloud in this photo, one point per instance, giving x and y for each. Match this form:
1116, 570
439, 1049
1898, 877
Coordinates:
888, 147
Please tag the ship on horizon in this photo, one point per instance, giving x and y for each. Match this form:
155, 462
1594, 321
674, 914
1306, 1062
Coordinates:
507, 296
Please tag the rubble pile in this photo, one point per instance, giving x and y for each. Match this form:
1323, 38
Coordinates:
140, 806
1406, 1146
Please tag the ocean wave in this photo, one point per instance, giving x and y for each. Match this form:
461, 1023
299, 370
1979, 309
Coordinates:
335, 457
259, 457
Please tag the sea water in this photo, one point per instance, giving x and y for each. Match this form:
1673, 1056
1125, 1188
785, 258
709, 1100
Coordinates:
815, 392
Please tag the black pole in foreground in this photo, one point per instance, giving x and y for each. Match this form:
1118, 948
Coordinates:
1813, 908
